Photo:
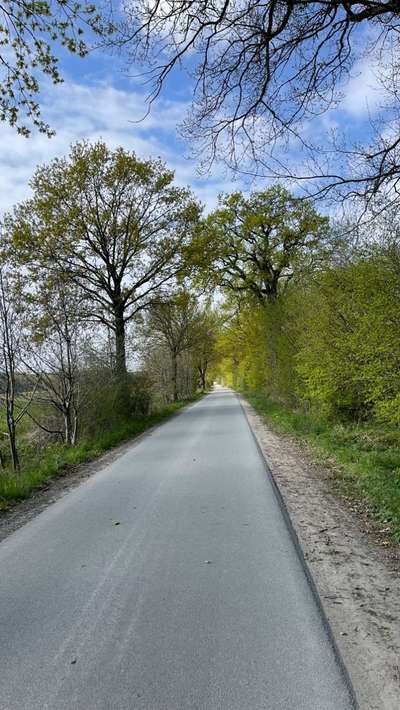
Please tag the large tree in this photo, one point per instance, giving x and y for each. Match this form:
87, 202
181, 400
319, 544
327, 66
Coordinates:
265, 69
254, 245
114, 224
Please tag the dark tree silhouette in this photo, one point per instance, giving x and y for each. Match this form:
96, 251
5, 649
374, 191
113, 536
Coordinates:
264, 69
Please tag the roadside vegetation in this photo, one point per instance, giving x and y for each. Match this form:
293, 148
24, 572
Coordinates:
312, 338
101, 335
364, 458
120, 301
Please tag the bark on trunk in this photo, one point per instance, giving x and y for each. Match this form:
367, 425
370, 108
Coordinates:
120, 353
121, 372
69, 428
203, 376
74, 433
175, 375
13, 444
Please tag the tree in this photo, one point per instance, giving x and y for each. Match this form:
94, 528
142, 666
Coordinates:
252, 246
175, 322
56, 352
29, 35
11, 348
204, 347
264, 69
115, 224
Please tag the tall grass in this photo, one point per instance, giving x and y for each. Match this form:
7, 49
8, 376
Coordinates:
364, 458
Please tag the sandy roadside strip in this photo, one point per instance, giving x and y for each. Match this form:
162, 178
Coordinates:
358, 582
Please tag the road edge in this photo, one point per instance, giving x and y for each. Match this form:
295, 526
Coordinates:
299, 551
22, 512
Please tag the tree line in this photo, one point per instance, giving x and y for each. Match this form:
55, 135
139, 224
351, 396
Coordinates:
95, 272
311, 306
118, 296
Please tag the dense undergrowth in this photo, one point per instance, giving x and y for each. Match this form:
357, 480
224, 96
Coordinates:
56, 458
364, 457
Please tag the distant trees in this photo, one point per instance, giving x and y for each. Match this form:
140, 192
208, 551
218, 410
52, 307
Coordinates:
174, 322
183, 326
254, 245
179, 345
114, 224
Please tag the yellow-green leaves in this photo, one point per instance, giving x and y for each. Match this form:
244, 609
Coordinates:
29, 35
254, 245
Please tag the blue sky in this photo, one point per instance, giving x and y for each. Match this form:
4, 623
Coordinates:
98, 99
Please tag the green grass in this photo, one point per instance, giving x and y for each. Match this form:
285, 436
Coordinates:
56, 459
364, 459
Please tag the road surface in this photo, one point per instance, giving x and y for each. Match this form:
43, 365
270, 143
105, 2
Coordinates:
169, 580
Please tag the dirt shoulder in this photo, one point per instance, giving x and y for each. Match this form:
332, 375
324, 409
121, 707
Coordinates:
356, 575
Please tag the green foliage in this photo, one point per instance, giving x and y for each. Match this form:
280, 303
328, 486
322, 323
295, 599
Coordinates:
349, 349
330, 342
257, 349
29, 35
253, 246
364, 458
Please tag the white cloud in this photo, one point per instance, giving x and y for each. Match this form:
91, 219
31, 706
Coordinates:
363, 93
84, 111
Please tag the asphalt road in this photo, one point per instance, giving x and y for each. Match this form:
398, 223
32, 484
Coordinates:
197, 598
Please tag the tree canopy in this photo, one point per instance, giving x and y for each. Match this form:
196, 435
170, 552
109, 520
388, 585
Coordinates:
264, 69
115, 224
253, 245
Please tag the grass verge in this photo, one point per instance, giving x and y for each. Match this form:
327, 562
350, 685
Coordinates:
364, 459
56, 459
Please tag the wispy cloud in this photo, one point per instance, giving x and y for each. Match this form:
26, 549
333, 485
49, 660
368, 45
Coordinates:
364, 92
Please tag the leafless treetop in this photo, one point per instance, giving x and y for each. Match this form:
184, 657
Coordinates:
264, 69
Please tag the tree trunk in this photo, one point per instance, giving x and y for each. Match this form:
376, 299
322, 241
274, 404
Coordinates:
121, 372
203, 376
11, 424
120, 353
74, 432
67, 426
175, 375
13, 444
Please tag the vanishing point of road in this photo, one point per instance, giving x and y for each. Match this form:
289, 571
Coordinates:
168, 580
